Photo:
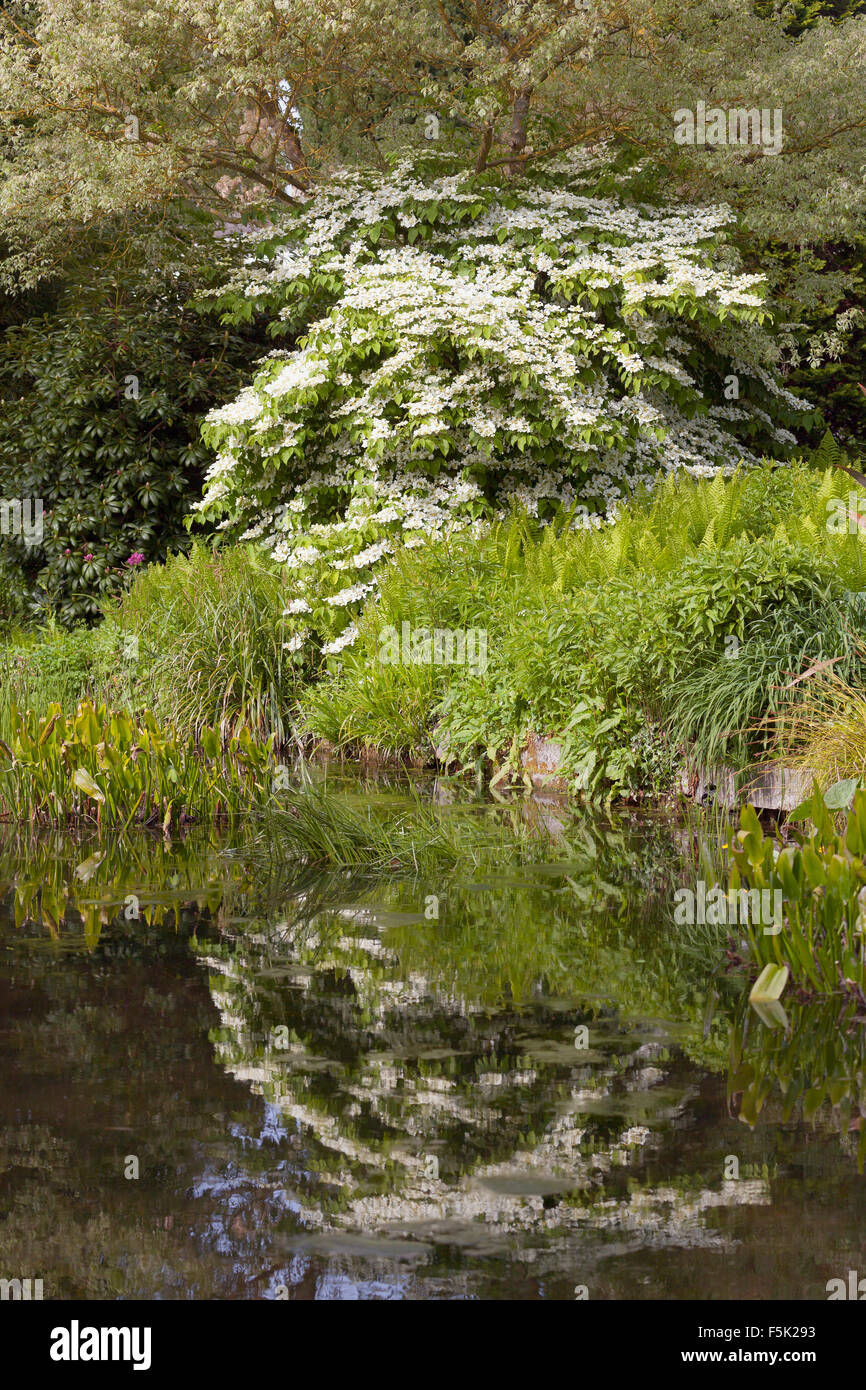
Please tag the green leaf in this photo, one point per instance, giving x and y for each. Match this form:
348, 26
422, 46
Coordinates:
85, 783
839, 796
87, 868
769, 985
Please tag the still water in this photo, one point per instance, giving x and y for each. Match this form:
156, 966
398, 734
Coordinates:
225, 1075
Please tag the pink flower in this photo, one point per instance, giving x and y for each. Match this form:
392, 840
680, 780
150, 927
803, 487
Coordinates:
88, 556
136, 558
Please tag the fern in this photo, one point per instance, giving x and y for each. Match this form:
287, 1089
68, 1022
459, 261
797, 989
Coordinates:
829, 454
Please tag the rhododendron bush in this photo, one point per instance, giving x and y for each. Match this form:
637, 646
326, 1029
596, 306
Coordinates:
454, 346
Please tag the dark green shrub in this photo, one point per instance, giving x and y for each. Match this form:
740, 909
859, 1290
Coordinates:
101, 394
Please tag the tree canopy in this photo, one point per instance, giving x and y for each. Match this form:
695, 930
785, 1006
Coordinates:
120, 106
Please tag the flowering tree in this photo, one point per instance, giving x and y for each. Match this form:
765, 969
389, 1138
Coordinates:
457, 346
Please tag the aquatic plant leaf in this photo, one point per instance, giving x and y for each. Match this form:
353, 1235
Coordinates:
838, 797
87, 868
772, 1015
83, 780
812, 1101
769, 985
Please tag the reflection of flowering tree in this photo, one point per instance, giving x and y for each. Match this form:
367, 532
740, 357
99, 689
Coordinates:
422, 1110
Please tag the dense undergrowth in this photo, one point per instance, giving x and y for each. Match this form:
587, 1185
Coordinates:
112, 768
685, 627
716, 621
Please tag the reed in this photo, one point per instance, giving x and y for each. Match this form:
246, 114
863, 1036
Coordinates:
323, 829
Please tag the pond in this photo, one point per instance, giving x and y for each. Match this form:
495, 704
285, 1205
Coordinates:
227, 1075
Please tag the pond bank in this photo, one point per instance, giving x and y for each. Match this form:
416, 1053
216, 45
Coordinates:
541, 768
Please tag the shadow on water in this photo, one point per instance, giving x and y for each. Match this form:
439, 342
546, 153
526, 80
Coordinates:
332, 1084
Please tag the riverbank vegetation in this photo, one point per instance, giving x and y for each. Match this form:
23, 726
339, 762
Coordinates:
699, 627
420, 421
104, 766
392, 352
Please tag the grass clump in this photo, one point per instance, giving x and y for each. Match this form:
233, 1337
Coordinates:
204, 638
739, 706
321, 828
826, 734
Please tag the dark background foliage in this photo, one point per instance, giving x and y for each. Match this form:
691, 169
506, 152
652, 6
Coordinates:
116, 474
835, 384
799, 15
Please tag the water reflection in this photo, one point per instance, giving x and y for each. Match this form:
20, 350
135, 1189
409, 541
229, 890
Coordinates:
331, 1092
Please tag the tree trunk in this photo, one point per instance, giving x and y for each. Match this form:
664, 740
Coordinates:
285, 138
517, 138
486, 142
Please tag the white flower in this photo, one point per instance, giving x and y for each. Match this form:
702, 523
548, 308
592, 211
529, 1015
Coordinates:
372, 554
304, 555
352, 595
345, 639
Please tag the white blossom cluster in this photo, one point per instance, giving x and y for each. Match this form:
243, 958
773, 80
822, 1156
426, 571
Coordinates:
480, 346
